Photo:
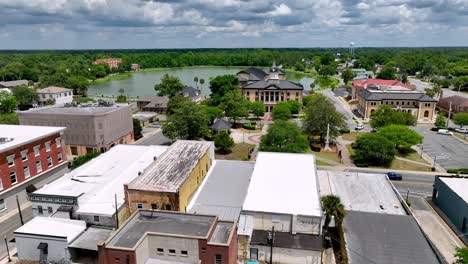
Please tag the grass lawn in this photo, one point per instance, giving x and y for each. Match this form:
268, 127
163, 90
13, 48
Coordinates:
247, 131
403, 165
119, 76
461, 137
239, 152
353, 135
321, 163
332, 156
350, 149
414, 156
9, 119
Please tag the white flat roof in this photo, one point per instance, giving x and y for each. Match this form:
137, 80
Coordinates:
96, 182
21, 135
458, 185
49, 226
284, 183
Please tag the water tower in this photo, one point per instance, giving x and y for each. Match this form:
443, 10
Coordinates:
351, 49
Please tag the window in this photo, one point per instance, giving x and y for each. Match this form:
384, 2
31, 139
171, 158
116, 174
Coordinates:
26, 171
100, 125
59, 157
172, 252
139, 205
24, 155
426, 113
96, 218
58, 142
160, 251
168, 207
49, 162
13, 177
117, 260
37, 150
2, 205
38, 166
1, 184
74, 151
39, 210
11, 160
254, 253
184, 253
49, 210
47, 146
218, 259
154, 206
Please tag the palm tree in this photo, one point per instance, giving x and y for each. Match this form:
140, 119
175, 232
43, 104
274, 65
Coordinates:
202, 81
332, 206
196, 81
437, 89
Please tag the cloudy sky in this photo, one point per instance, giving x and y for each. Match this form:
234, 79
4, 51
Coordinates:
94, 24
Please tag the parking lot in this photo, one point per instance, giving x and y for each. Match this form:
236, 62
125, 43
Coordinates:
448, 151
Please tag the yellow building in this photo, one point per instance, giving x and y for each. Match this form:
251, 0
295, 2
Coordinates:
417, 103
170, 182
269, 87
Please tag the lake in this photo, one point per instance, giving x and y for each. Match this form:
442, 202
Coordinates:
142, 83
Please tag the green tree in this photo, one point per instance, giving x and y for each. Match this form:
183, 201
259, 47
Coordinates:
327, 58
306, 99
234, 105
223, 142
373, 149
461, 255
212, 112
137, 129
430, 92
320, 112
176, 102
79, 84
347, 75
332, 207
187, 122
328, 70
461, 119
441, 121
281, 111
221, 85
257, 108
202, 81
402, 136
387, 73
294, 106
25, 96
385, 116
121, 98
8, 102
284, 136
169, 86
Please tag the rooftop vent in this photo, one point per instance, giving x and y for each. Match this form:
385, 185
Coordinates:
381, 207
5, 140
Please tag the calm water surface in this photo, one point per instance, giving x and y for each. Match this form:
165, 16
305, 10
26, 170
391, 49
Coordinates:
142, 83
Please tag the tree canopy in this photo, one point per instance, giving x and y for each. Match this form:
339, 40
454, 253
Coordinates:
385, 116
284, 136
332, 206
402, 136
461, 119
8, 102
347, 75
281, 111
137, 129
176, 102
234, 105
387, 73
25, 96
169, 86
441, 121
373, 149
257, 108
221, 85
187, 122
318, 114
461, 255
223, 142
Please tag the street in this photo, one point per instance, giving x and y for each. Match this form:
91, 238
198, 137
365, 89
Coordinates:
155, 138
340, 108
8, 224
421, 86
448, 151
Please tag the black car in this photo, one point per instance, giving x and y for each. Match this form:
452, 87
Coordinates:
393, 176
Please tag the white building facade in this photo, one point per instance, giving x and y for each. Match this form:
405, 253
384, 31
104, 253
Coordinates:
58, 95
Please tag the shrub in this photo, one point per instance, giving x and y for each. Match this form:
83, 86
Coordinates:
458, 171
249, 126
83, 159
344, 130
373, 149
223, 142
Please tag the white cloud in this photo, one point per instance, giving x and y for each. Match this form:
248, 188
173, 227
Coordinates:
280, 10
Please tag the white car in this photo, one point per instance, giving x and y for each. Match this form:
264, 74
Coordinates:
462, 130
359, 127
444, 132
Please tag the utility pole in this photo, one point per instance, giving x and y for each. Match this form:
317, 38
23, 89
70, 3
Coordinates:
19, 210
450, 112
116, 213
8, 251
271, 238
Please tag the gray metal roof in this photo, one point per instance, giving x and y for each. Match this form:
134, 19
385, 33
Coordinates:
167, 223
255, 74
223, 191
385, 239
275, 84
91, 238
11, 84
172, 168
391, 95
221, 124
155, 101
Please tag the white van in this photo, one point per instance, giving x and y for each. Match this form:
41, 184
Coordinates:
444, 132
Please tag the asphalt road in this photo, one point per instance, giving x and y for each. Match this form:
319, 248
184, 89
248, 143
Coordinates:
8, 226
340, 108
421, 86
155, 139
448, 151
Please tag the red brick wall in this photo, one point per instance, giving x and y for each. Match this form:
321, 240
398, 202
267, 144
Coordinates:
31, 162
115, 256
208, 252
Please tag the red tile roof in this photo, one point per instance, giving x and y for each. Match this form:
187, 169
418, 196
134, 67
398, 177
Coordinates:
380, 82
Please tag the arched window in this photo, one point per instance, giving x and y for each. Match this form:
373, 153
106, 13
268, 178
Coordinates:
426, 113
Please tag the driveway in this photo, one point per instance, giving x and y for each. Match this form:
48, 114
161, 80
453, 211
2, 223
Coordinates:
448, 151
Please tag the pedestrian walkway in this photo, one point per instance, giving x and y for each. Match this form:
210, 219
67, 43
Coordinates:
345, 155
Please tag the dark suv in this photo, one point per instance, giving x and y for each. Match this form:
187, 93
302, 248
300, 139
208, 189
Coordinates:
393, 176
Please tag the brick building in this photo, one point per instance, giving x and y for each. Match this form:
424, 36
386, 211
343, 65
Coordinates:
358, 85
96, 127
30, 157
456, 103
170, 182
112, 62
171, 237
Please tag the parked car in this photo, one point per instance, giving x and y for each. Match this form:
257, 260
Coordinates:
393, 176
444, 132
462, 130
359, 127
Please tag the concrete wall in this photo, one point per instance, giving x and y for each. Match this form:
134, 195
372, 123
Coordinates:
179, 244
284, 223
289, 256
451, 204
27, 247
108, 221
148, 198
